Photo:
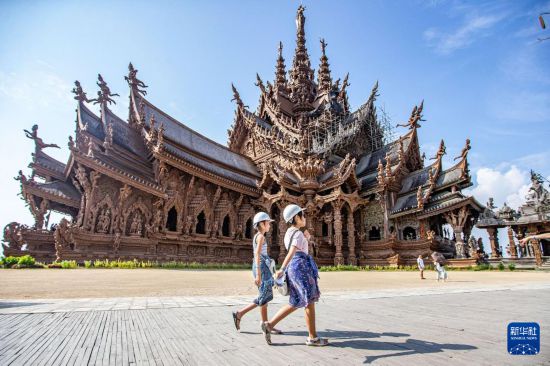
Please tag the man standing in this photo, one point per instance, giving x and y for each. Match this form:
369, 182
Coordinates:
420, 263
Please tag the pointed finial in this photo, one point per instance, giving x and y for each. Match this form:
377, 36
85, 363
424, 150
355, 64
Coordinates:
236, 96
260, 83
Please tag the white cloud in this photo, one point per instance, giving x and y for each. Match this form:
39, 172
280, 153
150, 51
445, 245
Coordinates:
506, 185
474, 27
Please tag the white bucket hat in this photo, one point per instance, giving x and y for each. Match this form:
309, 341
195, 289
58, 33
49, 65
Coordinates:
259, 217
290, 211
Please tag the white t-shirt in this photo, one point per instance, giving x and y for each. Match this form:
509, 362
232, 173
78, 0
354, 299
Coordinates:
299, 240
420, 263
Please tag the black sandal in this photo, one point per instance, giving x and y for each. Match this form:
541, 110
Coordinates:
236, 320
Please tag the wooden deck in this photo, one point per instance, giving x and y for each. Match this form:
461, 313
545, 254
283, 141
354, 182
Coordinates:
448, 327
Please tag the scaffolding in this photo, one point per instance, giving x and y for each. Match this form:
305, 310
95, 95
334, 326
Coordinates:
361, 130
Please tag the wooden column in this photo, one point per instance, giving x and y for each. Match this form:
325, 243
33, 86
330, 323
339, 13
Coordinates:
493, 239
338, 257
512, 244
351, 240
282, 231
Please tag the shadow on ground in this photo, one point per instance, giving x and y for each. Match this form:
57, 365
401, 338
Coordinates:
17, 304
363, 340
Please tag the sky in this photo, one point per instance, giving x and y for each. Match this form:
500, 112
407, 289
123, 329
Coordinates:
477, 65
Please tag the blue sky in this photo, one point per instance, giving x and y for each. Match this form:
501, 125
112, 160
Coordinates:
477, 64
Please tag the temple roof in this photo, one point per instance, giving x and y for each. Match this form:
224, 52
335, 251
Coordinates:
368, 163
44, 165
183, 137
56, 191
125, 136
89, 122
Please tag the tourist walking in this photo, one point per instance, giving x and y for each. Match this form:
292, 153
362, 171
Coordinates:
420, 263
301, 275
441, 272
262, 270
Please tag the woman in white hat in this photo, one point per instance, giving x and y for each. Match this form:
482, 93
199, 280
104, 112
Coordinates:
263, 277
301, 274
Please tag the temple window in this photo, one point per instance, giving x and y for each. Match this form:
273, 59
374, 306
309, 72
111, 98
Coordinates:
248, 230
325, 229
201, 223
172, 220
226, 226
409, 233
374, 233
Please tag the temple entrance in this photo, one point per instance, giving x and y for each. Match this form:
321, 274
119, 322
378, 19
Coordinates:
226, 226
172, 220
409, 233
374, 233
545, 246
201, 223
248, 229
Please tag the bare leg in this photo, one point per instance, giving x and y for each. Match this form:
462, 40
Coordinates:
263, 311
310, 320
281, 314
246, 309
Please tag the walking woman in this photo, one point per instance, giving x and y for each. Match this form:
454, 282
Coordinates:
301, 274
263, 277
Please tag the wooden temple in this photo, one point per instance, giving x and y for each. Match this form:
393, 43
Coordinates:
151, 188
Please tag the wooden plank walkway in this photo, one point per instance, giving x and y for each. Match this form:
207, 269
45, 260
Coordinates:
447, 328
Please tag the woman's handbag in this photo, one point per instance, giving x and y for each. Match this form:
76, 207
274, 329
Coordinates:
281, 283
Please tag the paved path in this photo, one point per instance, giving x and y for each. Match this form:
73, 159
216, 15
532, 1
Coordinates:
458, 326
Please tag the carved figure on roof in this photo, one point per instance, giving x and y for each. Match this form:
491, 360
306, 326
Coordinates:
441, 151
104, 94
38, 142
237, 97
133, 81
416, 116
79, 93
464, 152
537, 193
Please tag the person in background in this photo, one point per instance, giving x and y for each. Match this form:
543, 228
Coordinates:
420, 263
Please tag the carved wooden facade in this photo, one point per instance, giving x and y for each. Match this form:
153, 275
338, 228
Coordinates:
151, 188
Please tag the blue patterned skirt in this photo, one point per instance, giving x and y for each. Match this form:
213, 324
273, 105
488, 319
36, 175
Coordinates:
302, 275
265, 290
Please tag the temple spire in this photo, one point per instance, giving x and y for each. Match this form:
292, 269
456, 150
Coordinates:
302, 86
323, 79
280, 72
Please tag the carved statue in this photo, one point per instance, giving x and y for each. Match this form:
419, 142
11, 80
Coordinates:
133, 81
215, 229
440, 152
38, 142
104, 221
239, 232
537, 193
188, 225
104, 95
136, 226
465, 150
63, 238
12, 235
79, 93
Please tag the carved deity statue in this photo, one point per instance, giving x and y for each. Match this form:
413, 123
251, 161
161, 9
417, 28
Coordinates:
38, 142
104, 221
136, 227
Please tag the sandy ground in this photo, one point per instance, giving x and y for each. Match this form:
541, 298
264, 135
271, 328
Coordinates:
97, 283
